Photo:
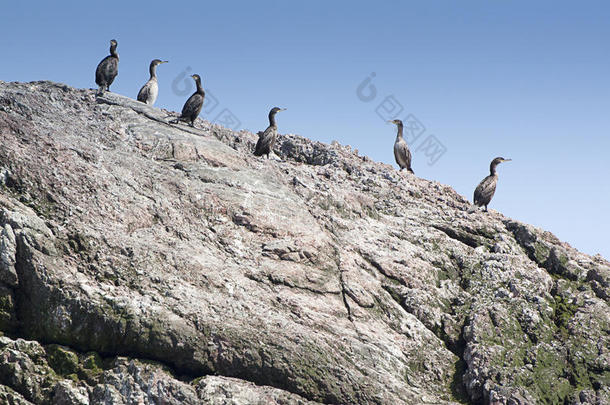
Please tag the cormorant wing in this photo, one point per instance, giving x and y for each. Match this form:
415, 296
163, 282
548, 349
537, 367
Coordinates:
485, 190
144, 93
402, 154
265, 139
106, 71
192, 106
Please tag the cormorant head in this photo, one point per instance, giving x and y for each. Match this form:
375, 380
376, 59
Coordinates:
499, 160
495, 162
276, 110
396, 122
113, 43
196, 77
157, 62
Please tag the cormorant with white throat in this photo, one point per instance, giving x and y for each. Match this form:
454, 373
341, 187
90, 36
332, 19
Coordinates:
148, 93
402, 154
487, 187
267, 139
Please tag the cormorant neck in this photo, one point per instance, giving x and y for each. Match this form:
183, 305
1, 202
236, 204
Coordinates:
272, 119
399, 134
113, 51
153, 71
492, 168
199, 87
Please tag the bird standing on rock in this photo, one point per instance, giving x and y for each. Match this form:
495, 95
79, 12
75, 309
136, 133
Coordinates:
193, 105
487, 187
267, 139
148, 93
402, 154
107, 69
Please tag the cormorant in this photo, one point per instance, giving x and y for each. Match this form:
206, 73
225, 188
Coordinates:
193, 105
402, 154
107, 69
148, 93
487, 187
266, 139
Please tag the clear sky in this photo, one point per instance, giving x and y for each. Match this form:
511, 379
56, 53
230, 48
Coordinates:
520, 79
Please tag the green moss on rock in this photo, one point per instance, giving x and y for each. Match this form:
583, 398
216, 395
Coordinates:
7, 310
541, 252
92, 361
91, 367
458, 390
563, 311
63, 360
550, 385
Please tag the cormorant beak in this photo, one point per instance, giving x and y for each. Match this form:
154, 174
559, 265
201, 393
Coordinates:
164, 61
507, 160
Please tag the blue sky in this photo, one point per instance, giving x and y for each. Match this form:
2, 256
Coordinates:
524, 80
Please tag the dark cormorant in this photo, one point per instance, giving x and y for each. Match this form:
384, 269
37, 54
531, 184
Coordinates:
401, 150
487, 187
266, 139
107, 69
193, 105
148, 93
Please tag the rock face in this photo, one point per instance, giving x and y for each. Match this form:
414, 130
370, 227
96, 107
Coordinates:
142, 262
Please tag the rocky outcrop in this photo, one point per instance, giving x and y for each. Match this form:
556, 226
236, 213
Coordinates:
142, 262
